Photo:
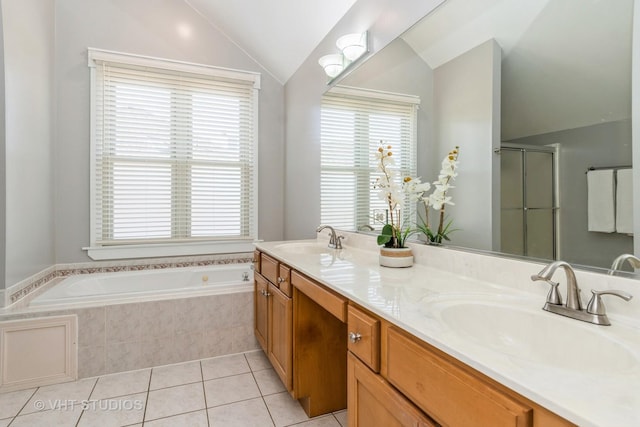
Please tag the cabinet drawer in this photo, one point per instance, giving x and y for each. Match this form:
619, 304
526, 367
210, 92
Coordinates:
449, 394
269, 268
364, 337
333, 303
284, 279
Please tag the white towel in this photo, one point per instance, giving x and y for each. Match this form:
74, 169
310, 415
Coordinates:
600, 201
624, 201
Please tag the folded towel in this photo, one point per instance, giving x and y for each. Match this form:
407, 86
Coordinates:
624, 201
600, 201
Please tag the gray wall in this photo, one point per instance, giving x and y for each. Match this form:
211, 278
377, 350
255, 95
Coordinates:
3, 163
385, 20
28, 27
467, 113
133, 26
607, 144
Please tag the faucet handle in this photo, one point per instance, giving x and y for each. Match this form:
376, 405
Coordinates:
554, 297
596, 306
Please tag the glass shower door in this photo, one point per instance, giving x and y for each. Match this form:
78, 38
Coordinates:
528, 221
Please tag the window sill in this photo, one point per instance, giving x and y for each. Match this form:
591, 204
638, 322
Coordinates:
101, 253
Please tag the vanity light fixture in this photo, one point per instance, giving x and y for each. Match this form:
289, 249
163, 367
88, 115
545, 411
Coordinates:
352, 47
333, 64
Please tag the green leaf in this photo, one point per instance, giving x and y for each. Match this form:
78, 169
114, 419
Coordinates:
383, 239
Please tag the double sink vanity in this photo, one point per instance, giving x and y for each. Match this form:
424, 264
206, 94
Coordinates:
426, 346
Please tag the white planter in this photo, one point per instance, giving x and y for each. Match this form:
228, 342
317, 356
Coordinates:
396, 257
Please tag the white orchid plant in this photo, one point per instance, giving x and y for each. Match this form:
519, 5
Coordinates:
438, 200
394, 234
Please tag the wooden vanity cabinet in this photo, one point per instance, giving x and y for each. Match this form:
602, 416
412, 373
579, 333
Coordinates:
301, 325
418, 385
273, 311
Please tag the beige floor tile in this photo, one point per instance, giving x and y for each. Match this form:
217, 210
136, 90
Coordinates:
269, 382
174, 400
12, 402
52, 418
284, 410
192, 419
115, 412
341, 416
322, 421
230, 389
251, 412
173, 375
5, 422
258, 360
224, 366
60, 395
123, 384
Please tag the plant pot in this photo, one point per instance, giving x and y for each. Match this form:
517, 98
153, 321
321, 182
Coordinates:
395, 257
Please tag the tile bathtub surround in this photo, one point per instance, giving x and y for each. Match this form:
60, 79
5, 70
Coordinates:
124, 337
235, 390
21, 290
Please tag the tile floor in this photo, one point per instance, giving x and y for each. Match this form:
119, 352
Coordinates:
238, 390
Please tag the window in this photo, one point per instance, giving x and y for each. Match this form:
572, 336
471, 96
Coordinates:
173, 152
353, 121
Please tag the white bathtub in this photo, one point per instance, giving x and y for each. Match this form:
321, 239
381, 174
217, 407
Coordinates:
147, 284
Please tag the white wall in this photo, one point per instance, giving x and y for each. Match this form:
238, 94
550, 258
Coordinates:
166, 29
467, 114
28, 27
385, 20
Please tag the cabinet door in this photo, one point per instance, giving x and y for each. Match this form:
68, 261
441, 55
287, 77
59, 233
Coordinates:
260, 310
280, 335
373, 402
452, 395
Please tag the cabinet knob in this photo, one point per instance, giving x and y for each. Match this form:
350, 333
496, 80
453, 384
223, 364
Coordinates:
281, 280
354, 337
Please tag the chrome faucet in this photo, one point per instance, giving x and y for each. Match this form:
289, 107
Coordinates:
335, 241
619, 262
573, 292
595, 311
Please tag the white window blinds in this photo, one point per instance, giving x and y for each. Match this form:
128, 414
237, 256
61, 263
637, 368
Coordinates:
174, 152
353, 121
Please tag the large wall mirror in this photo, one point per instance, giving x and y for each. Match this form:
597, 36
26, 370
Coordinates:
535, 93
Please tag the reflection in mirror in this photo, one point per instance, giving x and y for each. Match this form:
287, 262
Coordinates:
511, 83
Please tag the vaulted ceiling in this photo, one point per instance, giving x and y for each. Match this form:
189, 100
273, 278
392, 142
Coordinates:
278, 34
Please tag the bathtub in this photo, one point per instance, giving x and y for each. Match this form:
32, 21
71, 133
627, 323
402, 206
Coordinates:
166, 283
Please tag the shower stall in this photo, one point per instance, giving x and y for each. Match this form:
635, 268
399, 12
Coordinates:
528, 221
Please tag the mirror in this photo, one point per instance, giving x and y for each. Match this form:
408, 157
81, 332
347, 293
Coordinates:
496, 75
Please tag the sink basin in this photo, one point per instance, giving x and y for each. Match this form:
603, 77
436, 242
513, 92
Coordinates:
534, 337
309, 248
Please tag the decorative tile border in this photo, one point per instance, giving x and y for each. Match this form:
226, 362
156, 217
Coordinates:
31, 284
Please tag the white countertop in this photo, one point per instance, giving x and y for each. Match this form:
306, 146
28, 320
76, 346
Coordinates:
409, 297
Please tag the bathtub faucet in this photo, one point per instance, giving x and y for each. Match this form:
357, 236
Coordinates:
335, 242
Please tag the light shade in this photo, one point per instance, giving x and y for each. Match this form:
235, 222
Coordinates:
352, 46
333, 64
